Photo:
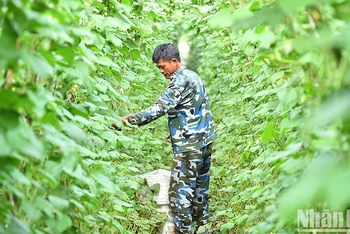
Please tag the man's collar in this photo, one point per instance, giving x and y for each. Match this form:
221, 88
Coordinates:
177, 72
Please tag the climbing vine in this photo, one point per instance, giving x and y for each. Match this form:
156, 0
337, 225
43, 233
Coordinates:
277, 75
69, 70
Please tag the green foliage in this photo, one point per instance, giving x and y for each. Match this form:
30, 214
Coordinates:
70, 69
277, 74
278, 78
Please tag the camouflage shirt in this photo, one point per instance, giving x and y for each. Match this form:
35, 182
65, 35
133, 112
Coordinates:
190, 121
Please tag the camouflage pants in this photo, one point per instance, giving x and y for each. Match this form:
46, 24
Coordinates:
189, 187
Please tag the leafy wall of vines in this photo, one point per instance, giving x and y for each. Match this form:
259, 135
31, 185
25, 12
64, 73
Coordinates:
277, 75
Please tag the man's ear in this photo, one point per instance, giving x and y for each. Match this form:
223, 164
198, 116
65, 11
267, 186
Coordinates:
174, 60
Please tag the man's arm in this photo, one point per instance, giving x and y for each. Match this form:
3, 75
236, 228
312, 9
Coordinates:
169, 99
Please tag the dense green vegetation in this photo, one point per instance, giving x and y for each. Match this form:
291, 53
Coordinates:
277, 75
280, 89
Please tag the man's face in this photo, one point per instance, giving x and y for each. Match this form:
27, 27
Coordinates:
167, 68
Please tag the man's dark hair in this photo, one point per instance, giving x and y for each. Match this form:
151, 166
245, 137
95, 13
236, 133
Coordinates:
166, 52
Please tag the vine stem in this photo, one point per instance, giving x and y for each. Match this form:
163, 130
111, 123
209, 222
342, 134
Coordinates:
8, 78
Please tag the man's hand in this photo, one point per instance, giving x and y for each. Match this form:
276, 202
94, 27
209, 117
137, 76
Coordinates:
167, 138
116, 127
125, 120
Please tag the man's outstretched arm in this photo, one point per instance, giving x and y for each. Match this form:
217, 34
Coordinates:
169, 99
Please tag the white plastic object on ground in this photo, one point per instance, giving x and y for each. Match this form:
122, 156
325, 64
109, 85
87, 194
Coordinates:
161, 177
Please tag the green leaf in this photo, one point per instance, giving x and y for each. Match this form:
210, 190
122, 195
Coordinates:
45, 206
271, 15
104, 60
58, 202
74, 132
203, 9
64, 223
32, 212
24, 141
11, 100
20, 177
221, 19
125, 141
241, 220
120, 227
276, 76
102, 85
127, 2
135, 54
333, 108
106, 217
286, 125
241, 13
59, 224
8, 40
226, 18
106, 183
49, 175
116, 22
164, 215
267, 39
40, 98
267, 135
79, 70
17, 226
5, 149
38, 64
98, 142
291, 6
290, 150
114, 39
67, 54
8, 119
80, 174
155, 188
122, 203
226, 227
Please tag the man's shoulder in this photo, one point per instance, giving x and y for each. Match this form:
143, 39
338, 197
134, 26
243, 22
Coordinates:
189, 72
189, 75
185, 77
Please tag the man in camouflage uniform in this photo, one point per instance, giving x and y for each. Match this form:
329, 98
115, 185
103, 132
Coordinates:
192, 131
